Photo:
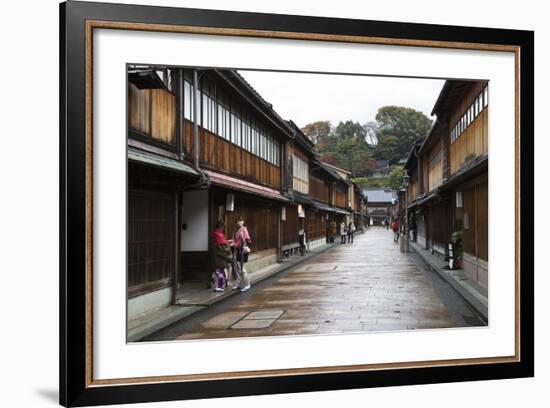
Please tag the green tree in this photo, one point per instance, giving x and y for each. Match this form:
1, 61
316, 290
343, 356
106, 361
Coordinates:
350, 130
395, 178
403, 126
388, 148
353, 154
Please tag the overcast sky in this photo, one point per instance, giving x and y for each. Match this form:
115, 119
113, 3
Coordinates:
306, 98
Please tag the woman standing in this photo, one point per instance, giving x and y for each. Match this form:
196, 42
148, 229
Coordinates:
343, 232
395, 229
222, 257
241, 244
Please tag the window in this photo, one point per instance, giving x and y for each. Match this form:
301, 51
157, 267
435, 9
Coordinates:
236, 130
300, 172
227, 123
220, 128
246, 144
206, 112
254, 141
199, 107
472, 112
264, 145
187, 100
226, 119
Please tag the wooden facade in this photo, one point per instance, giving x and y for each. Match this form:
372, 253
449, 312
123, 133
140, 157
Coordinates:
212, 149
453, 162
221, 155
152, 113
319, 189
151, 257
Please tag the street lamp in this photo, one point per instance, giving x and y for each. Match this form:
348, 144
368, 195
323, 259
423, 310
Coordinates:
406, 179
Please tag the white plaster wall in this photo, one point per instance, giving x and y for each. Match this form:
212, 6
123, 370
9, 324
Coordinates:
195, 216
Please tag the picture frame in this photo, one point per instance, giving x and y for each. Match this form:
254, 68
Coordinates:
78, 20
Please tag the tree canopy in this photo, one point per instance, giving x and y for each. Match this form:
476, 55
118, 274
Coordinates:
354, 147
399, 128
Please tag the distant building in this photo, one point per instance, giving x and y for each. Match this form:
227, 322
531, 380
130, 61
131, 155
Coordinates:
380, 168
380, 202
355, 199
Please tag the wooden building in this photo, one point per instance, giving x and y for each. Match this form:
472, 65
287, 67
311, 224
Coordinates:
380, 203
204, 146
448, 177
343, 194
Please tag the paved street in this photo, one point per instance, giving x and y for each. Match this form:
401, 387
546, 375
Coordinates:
365, 286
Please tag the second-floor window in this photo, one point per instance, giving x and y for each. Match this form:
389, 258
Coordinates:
472, 112
229, 121
300, 172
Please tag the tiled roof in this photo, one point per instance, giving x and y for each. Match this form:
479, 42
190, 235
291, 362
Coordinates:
245, 186
157, 160
379, 195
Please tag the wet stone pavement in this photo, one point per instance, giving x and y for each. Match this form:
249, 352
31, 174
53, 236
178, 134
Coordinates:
365, 286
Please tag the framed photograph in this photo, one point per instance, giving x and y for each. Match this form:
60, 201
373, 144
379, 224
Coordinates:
256, 204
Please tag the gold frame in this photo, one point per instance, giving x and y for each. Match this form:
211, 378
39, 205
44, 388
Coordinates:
99, 24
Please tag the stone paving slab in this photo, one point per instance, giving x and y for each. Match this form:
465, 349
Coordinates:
253, 324
265, 314
223, 320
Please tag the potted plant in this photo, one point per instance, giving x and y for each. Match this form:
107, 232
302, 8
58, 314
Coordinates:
457, 250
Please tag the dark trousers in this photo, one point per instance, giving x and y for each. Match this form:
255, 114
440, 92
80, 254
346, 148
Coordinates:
350, 238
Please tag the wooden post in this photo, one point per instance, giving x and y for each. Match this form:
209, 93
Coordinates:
179, 113
177, 232
279, 237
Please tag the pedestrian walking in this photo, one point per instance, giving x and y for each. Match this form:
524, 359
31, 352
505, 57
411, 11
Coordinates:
387, 222
395, 228
241, 250
342, 232
221, 259
302, 240
351, 231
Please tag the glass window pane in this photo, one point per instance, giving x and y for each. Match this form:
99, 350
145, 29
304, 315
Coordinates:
187, 100
228, 124
219, 123
204, 119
